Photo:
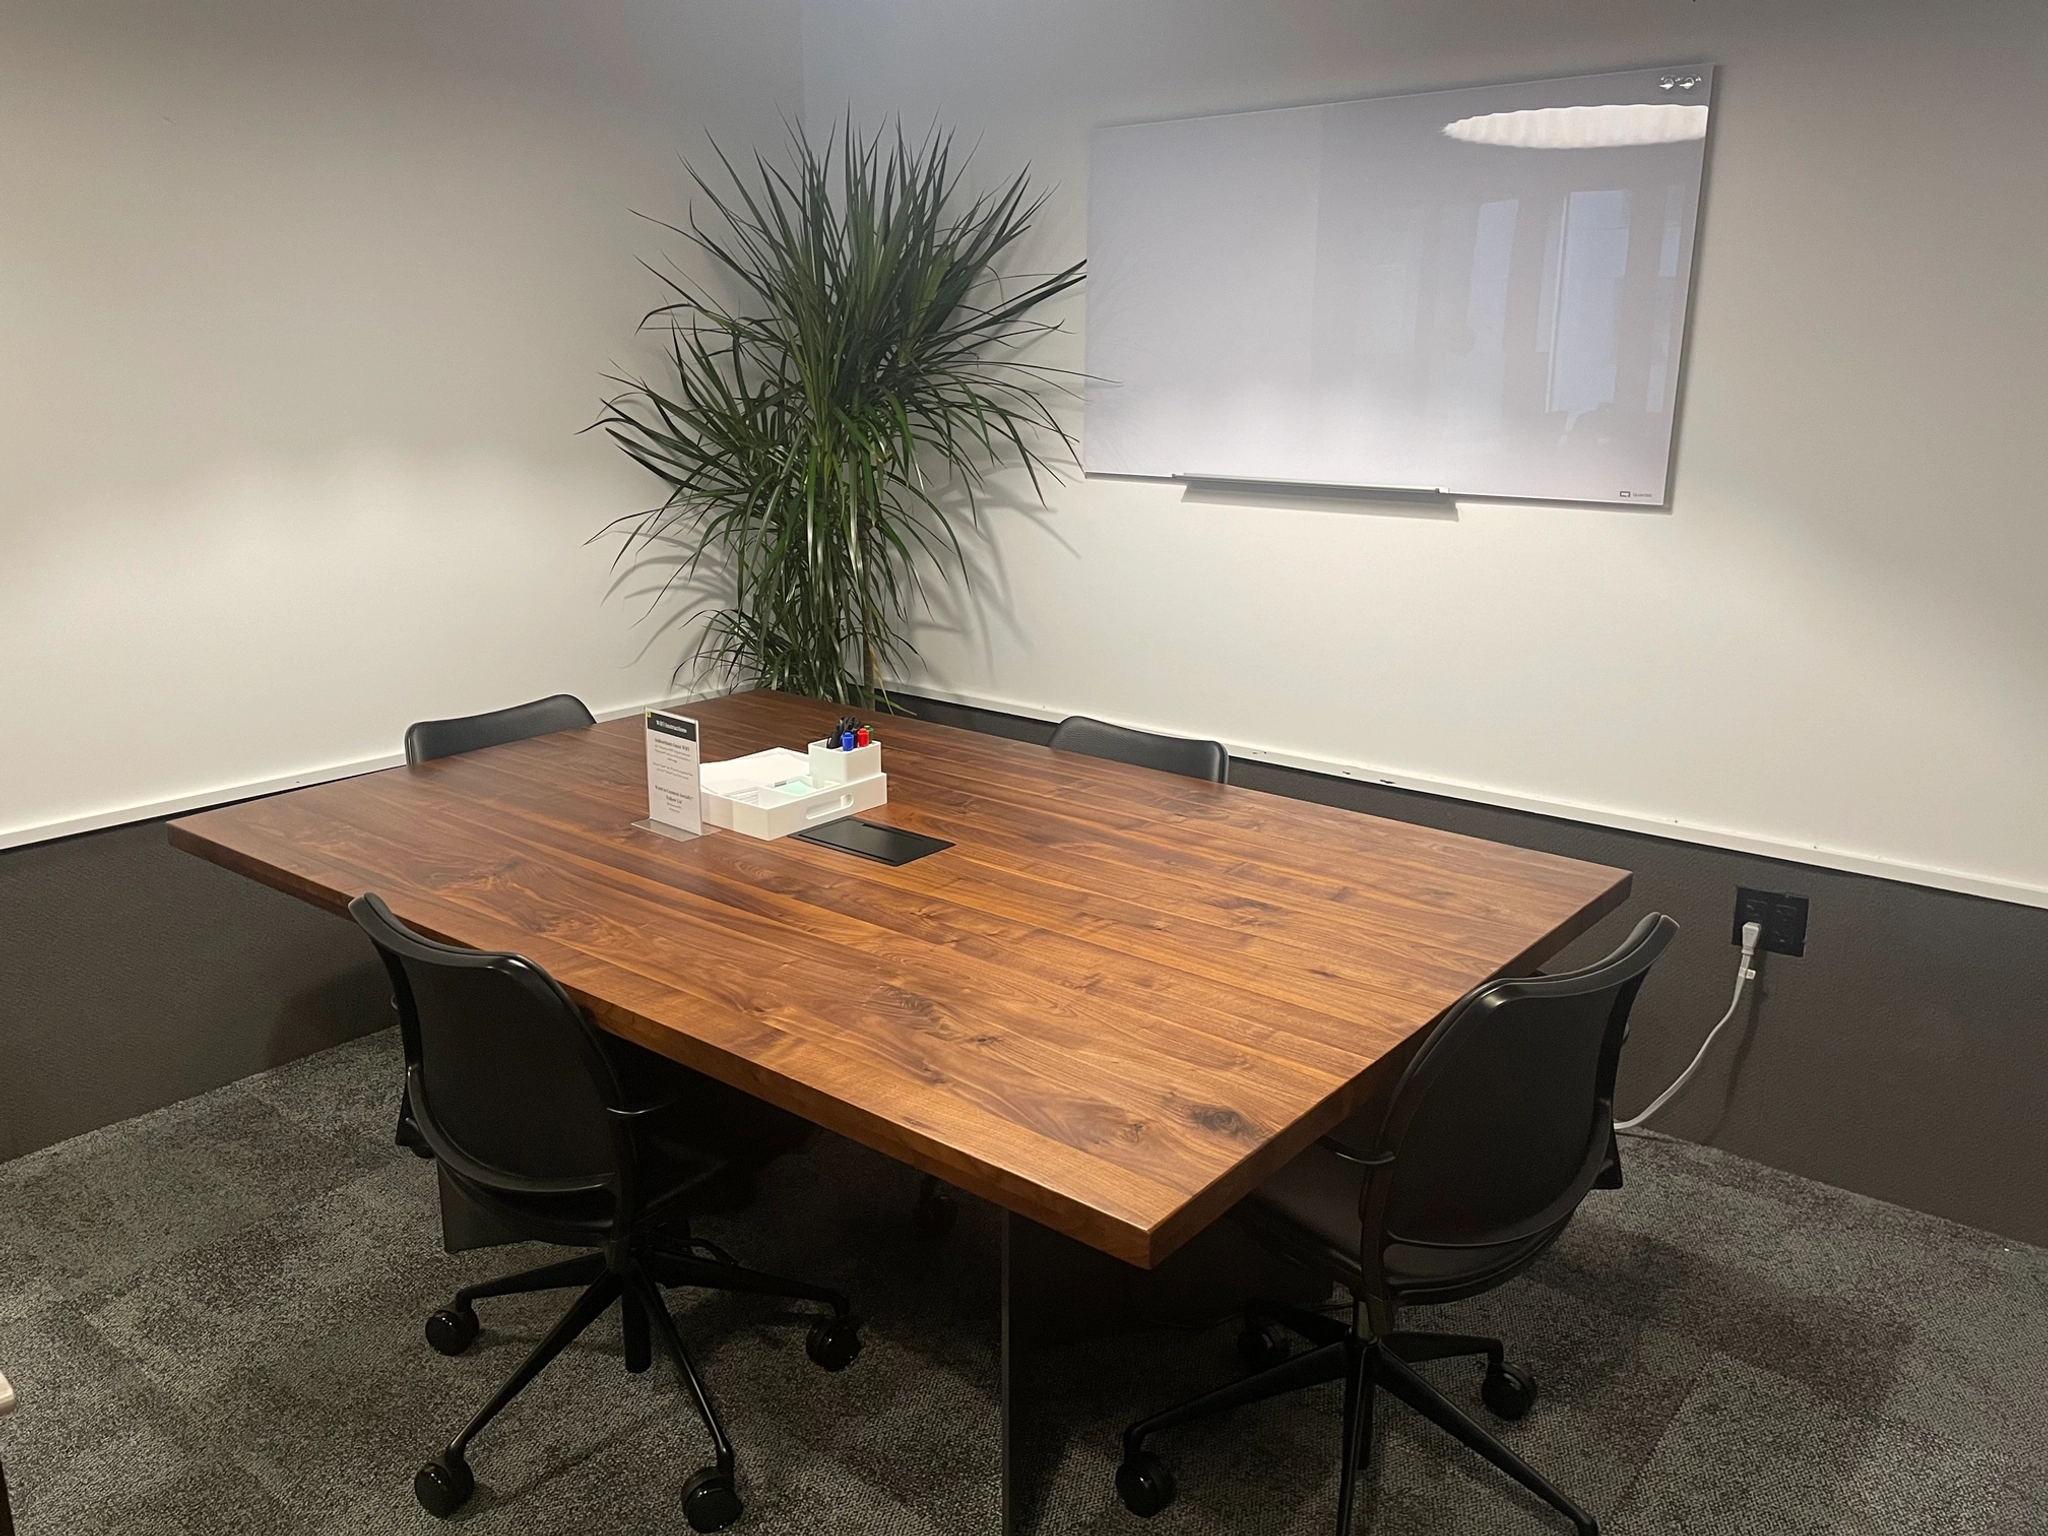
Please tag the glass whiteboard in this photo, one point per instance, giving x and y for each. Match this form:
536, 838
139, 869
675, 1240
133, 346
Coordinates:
1480, 292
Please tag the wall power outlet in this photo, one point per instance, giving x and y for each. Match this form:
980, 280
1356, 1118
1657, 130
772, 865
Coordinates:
1783, 918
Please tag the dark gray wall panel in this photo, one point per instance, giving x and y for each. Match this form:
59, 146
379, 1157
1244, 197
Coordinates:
133, 976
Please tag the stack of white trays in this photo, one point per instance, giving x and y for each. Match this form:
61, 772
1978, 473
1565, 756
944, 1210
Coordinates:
774, 793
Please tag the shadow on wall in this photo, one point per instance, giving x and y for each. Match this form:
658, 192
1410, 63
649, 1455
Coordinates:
133, 976
337, 1007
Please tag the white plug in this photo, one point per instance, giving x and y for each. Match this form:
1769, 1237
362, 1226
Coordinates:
1752, 935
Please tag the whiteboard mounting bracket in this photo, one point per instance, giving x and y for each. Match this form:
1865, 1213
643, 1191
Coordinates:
1434, 495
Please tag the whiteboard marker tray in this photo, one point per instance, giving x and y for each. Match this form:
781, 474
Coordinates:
769, 794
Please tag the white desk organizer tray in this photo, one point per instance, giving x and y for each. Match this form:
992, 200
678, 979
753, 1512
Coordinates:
774, 793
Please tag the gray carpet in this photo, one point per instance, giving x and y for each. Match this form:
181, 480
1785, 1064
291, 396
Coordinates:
213, 1316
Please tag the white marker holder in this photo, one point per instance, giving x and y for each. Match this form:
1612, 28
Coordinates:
831, 765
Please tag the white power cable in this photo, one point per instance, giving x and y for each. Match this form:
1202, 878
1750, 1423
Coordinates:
1744, 974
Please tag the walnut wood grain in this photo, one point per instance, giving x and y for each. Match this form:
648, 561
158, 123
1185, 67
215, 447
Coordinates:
1120, 1000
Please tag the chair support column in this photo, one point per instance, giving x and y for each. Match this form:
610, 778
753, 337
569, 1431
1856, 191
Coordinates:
1415, 1348
1330, 1362
1362, 1362
585, 1270
688, 1269
1446, 1415
1358, 1390
588, 1308
649, 1296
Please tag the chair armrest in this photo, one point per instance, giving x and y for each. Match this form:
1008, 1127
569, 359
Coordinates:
7, 1398
1328, 1144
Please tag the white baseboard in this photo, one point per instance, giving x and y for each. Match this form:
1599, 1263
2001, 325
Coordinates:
196, 800
227, 794
1963, 881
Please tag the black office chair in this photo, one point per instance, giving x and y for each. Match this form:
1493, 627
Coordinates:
1143, 749
1452, 1184
548, 1123
426, 740
936, 1210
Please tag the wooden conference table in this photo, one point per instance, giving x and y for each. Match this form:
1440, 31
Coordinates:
1119, 1002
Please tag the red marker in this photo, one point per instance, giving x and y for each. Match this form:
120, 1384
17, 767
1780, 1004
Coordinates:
860, 737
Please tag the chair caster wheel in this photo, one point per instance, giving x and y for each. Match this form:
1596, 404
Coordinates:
1508, 1391
1144, 1484
710, 1502
452, 1330
1261, 1347
934, 1214
443, 1485
834, 1343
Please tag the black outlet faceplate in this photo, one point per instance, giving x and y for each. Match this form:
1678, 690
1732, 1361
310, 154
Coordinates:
1783, 918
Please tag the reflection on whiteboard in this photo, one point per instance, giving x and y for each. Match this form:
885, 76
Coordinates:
1478, 291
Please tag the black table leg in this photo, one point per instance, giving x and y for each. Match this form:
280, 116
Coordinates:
1011, 1384
1027, 1277
1055, 1291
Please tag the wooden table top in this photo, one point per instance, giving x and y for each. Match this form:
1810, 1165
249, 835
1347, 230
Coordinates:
1116, 1005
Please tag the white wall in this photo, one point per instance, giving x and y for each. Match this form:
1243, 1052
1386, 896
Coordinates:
1835, 641
302, 308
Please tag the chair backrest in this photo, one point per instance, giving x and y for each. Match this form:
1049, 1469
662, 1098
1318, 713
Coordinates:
1142, 749
426, 740
1505, 1118
508, 1080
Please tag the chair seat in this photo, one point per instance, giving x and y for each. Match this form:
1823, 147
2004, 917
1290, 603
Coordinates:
707, 1133
671, 1170
1310, 1209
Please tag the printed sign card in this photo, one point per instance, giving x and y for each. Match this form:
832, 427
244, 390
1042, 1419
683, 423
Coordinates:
672, 787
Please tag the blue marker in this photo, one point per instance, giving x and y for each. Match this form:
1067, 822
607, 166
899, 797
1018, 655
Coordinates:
846, 742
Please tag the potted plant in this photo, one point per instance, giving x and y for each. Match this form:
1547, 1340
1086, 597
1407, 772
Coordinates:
829, 426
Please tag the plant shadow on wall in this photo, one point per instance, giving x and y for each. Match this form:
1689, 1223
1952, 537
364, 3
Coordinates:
824, 438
